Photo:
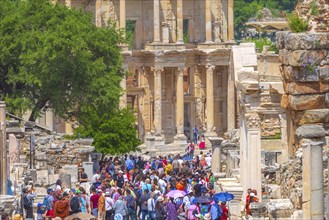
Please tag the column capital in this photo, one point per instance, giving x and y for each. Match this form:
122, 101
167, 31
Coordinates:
210, 68
157, 70
253, 121
180, 71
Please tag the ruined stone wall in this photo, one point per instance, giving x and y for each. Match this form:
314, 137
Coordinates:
305, 73
289, 177
54, 151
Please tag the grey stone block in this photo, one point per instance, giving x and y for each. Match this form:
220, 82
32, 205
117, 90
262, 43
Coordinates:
310, 131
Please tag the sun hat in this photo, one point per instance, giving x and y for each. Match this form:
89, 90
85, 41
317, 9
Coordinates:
160, 199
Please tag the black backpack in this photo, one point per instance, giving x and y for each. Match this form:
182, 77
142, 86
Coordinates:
75, 204
26, 202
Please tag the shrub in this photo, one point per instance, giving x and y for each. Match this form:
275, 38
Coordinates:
296, 23
261, 42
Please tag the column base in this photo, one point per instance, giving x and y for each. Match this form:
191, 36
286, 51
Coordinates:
180, 139
159, 141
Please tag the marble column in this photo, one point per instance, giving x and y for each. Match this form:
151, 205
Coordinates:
3, 149
180, 136
230, 98
230, 24
98, 13
180, 21
253, 154
312, 177
122, 14
156, 18
210, 100
208, 21
157, 119
141, 96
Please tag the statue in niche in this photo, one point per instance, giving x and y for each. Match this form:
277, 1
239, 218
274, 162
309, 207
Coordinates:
170, 19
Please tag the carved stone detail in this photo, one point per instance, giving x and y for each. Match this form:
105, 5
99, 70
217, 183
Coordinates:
253, 121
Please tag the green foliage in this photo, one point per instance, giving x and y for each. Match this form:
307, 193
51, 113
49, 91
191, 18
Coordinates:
315, 8
113, 135
261, 42
245, 9
185, 38
296, 23
130, 31
53, 56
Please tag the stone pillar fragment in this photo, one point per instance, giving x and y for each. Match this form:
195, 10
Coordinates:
230, 24
253, 154
180, 21
156, 18
98, 13
313, 197
180, 137
3, 149
216, 154
208, 21
122, 14
210, 100
13, 149
123, 98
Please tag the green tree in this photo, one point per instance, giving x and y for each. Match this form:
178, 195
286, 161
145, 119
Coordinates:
53, 56
115, 135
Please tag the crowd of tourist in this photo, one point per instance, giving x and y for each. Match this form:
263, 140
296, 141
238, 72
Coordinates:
179, 187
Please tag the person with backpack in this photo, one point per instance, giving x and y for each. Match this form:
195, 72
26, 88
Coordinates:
131, 205
216, 211
75, 204
28, 197
48, 203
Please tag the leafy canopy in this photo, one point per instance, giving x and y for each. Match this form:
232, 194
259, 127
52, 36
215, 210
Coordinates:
245, 9
53, 56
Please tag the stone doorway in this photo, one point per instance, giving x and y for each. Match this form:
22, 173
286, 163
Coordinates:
187, 120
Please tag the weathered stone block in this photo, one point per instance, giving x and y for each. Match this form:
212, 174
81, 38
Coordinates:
324, 73
302, 57
303, 88
299, 74
313, 116
302, 41
324, 87
305, 102
285, 101
310, 131
283, 56
327, 99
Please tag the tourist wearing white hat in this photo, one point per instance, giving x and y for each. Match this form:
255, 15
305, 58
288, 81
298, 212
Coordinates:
161, 213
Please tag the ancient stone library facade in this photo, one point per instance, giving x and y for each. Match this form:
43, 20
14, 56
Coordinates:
179, 63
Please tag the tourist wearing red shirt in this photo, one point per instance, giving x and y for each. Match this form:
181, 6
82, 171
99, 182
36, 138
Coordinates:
94, 203
225, 211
